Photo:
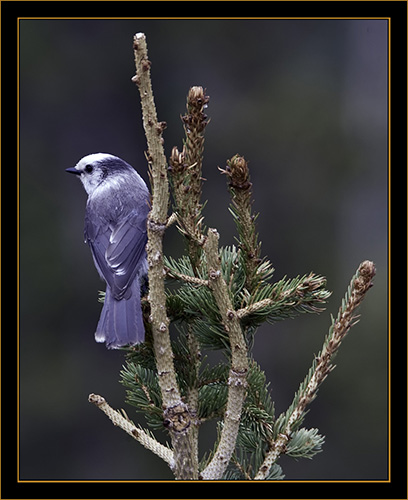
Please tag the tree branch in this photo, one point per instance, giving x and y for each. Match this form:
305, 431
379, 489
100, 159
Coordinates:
176, 415
139, 434
239, 362
156, 224
192, 280
322, 366
240, 188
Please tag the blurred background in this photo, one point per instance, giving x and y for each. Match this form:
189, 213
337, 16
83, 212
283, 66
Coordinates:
305, 101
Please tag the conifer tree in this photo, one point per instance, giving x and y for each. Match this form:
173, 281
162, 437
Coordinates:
217, 300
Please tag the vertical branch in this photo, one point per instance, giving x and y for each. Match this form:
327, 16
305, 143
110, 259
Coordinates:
156, 225
239, 362
192, 397
177, 418
186, 180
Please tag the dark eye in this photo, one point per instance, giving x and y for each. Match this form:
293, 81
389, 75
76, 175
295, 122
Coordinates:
88, 169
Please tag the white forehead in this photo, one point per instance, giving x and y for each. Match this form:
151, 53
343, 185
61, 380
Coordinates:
92, 158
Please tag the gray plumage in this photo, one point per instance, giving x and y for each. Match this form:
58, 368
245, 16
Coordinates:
115, 229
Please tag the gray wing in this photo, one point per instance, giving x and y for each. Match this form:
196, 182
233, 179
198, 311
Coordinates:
117, 252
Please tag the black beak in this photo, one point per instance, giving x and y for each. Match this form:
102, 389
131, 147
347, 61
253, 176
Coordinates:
73, 170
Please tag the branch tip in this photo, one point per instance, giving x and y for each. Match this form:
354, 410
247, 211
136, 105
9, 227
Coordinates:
96, 399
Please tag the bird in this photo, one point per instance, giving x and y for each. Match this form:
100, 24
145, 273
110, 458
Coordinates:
116, 231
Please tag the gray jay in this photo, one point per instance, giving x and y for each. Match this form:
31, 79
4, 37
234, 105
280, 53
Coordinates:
115, 230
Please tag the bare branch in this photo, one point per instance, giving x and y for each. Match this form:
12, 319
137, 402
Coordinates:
239, 362
137, 433
176, 415
156, 224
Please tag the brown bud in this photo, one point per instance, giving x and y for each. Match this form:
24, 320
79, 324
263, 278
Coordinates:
238, 172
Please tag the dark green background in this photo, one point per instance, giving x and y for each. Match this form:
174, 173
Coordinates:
305, 101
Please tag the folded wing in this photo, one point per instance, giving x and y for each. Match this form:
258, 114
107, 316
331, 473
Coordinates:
117, 251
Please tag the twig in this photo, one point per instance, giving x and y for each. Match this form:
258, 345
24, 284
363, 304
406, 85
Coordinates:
171, 220
306, 292
192, 280
139, 434
360, 284
253, 308
240, 188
